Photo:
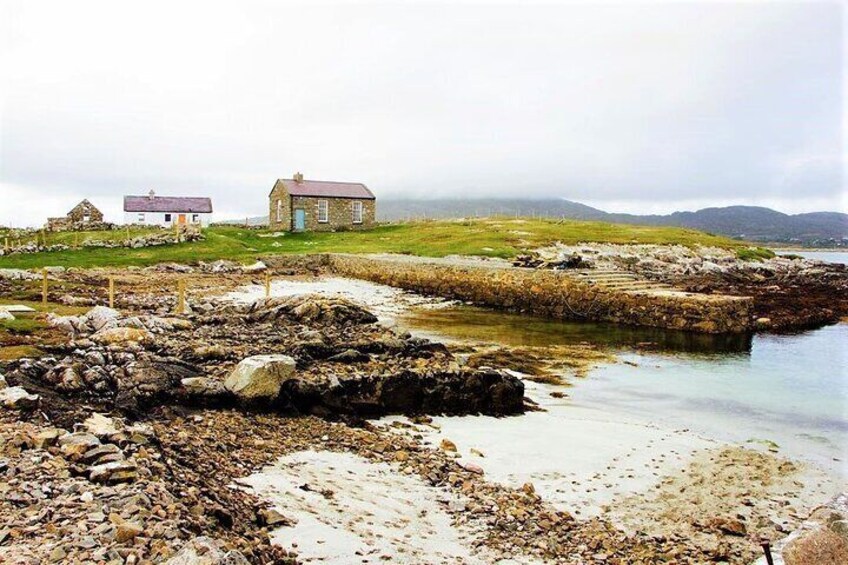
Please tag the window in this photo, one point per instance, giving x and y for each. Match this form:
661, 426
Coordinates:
141, 218
323, 211
279, 210
195, 218
357, 212
86, 218
167, 217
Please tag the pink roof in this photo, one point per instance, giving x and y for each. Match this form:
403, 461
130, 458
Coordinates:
327, 189
189, 204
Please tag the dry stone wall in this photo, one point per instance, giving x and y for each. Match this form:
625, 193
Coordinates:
553, 294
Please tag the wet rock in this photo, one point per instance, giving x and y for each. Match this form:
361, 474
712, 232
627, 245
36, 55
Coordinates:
17, 398
259, 377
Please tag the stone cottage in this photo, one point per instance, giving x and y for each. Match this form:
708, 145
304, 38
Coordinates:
297, 204
84, 215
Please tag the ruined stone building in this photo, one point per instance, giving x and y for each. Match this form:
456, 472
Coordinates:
297, 204
84, 215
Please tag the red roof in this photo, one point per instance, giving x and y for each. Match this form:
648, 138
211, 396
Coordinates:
327, 189
190, 204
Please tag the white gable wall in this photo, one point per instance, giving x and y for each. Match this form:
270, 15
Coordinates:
165, 219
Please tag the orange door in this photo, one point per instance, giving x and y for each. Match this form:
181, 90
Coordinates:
181, 219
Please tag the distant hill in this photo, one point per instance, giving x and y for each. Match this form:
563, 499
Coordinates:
753, 223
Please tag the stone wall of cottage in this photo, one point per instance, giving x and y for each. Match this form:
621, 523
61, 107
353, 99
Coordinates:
283, 222
83, 216
340, 212
553, 294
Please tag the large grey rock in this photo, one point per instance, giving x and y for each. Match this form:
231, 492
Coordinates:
259, 377
101, 316
18, 398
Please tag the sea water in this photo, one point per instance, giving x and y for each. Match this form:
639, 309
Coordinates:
786, 392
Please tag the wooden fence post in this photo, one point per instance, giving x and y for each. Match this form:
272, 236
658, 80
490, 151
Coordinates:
128, 234
267, 284
176, 232
44, 286
6, 245
180, 296
111, 292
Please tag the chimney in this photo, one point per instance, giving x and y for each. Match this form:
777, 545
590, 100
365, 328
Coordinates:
298, 177
151, 195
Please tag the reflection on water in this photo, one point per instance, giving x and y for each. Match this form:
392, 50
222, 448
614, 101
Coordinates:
481, 324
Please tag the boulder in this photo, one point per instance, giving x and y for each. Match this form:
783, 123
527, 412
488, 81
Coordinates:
108, 336
101, 316
5, 316
3, 383
259, 377
17, 398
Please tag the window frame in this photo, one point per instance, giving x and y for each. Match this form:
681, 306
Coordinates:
195, 218
323, 214
140, 217
169, 218
357, 209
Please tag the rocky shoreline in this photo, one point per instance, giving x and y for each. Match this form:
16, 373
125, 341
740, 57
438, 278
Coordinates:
126, 436
789, 293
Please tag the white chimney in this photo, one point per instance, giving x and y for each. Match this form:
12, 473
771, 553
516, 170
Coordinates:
298, 177
151, 195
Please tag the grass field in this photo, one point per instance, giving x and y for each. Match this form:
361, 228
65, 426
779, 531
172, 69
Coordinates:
492, 237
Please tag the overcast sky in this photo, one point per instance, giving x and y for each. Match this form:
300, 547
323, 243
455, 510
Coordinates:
629, 107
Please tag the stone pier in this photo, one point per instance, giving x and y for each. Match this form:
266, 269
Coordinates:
588, 295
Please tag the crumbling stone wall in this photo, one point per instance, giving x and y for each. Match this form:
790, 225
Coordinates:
554, 294
83, 216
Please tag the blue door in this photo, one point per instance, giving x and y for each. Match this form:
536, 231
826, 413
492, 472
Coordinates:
299, 219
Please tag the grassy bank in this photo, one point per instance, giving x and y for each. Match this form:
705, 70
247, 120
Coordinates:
492, 237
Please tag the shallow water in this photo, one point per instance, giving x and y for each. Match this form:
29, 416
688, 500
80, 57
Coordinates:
826, 256
788, 389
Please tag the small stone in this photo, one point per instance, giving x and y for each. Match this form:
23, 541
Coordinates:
448, 445
127, 531
58, 554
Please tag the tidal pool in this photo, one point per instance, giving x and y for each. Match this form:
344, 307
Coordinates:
785, 391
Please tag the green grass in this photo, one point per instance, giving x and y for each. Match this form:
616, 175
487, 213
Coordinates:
754, 253
493, 237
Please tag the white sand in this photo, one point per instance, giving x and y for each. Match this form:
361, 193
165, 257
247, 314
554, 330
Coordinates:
386, 302
577, 458
374, 514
